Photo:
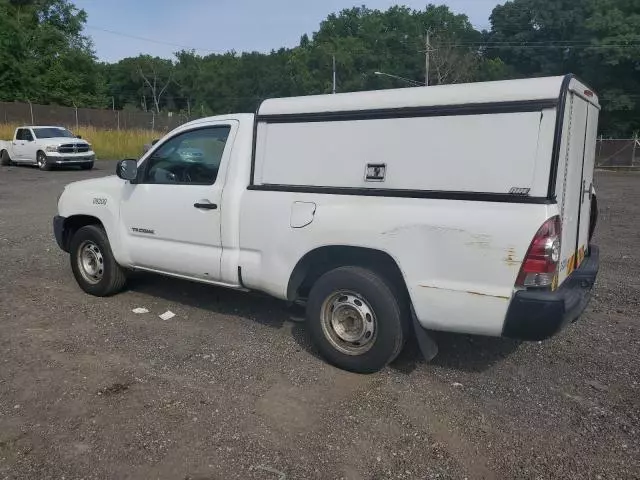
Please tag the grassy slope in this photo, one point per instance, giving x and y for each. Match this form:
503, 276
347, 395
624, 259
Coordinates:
108, 144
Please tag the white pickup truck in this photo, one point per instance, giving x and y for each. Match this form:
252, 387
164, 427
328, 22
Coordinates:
462, 208
46, 147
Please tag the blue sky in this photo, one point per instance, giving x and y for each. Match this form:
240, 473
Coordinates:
222, 25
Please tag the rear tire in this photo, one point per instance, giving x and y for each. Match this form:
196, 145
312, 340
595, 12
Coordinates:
93, 264
5, 159
356, 320
42, 161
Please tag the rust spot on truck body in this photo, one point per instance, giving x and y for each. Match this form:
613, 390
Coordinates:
511, 259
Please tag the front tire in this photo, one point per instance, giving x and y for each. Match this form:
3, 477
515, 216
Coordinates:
5, 159
355, 319
93, 263
86, 166
42, 161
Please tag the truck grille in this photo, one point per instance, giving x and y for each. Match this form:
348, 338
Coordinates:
73, 148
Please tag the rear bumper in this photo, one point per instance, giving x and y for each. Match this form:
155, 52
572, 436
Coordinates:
540, 315
58, 231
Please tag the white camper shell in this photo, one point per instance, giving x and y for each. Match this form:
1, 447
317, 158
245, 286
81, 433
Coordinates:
467, 208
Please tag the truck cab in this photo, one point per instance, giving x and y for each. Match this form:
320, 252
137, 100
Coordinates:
368, 208
47, 147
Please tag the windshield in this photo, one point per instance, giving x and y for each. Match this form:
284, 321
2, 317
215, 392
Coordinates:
53, 132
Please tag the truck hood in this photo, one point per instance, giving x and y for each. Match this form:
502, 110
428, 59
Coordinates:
60, 140
96, 197
95, 184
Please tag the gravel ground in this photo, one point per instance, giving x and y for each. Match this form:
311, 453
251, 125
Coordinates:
231, 388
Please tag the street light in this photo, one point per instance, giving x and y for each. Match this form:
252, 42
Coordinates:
413, 83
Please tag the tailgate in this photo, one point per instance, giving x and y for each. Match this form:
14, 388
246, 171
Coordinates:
575, 175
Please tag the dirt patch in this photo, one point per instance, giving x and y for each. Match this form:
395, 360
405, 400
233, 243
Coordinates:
113, 389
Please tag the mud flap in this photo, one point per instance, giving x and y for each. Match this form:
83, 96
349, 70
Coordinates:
428, 346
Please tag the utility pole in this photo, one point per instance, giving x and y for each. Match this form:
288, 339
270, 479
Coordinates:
113, 103
334, 74
76, 109
31, 110
427, 54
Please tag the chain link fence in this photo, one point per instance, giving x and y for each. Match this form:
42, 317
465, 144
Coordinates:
618, 153
70, 117
609, 152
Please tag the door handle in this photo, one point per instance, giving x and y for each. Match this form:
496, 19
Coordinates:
206, 206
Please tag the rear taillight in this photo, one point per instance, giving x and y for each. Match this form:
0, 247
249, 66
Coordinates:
540, 266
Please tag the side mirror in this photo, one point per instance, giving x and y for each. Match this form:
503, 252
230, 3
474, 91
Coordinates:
79, 136
127, 169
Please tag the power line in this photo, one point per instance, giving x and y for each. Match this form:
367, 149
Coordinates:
145, 39
563, 44
562, 47
559, 44
526, 42
543, 43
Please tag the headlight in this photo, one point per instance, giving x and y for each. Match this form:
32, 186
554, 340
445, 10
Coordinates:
51, 148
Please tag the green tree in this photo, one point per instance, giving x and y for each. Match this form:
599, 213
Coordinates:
394, 41
43, 55
156, 75
362, 41
187, 93
612, 63
124, 85
597, 39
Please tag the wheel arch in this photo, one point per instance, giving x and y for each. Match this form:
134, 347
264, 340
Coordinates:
74, 223
317, 262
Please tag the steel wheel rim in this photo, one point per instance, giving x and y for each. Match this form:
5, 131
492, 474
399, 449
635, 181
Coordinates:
348, 322
90, 262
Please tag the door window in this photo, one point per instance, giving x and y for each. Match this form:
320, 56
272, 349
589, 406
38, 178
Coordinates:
190, 158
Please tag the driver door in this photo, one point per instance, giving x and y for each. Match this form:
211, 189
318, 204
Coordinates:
170, 217
30, 149
20, 145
